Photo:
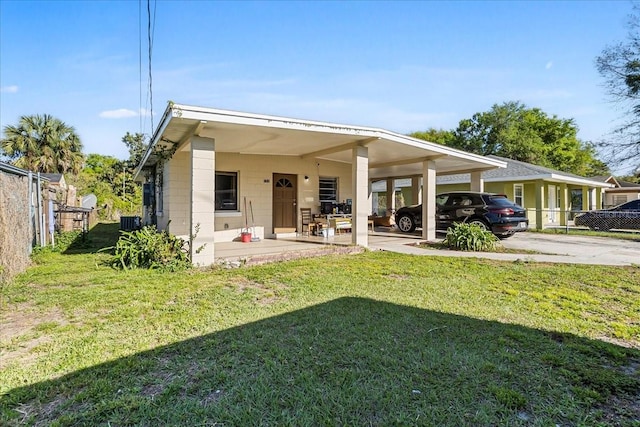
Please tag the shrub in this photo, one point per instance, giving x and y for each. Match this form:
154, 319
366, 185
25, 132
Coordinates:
470, 237
149, 248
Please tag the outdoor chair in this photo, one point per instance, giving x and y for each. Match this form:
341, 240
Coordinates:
307, 221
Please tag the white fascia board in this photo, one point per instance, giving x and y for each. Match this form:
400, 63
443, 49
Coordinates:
235, 117
543, 177
166, 118
581, 181
552, 177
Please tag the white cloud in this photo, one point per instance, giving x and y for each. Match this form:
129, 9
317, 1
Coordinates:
9, 89
549, 65
123, 113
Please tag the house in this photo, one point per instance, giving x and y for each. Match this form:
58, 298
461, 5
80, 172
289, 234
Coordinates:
548, 195
621, 192
209, 173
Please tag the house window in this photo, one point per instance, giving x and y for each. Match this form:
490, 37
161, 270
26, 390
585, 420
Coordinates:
328, 189
226, 191
518, 194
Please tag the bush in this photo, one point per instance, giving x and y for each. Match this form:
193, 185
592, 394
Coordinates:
149, 248
470, 237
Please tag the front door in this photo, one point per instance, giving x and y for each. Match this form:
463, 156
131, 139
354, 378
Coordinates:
284, 202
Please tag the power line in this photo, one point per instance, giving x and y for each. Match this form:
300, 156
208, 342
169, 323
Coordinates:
150, 28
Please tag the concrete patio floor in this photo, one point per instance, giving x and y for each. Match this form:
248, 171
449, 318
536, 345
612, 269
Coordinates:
554, 248
297, 246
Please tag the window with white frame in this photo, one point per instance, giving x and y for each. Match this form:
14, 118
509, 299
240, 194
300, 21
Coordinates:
518, 194
226, 191
328, 189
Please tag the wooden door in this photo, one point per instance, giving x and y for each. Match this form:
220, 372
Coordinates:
284, 201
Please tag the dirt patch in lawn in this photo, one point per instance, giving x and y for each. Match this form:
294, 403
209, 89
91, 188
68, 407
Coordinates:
19, 333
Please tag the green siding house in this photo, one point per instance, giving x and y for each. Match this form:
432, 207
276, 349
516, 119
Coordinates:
548, 195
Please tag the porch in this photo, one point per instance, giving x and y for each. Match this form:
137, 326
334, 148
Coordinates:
297, 246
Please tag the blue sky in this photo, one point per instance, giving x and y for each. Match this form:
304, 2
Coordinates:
402, 66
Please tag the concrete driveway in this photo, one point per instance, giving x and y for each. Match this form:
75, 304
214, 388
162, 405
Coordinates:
559, 248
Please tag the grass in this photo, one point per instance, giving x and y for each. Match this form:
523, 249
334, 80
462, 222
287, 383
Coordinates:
368, 339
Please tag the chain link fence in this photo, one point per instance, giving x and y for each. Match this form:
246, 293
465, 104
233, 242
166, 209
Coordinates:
597, 220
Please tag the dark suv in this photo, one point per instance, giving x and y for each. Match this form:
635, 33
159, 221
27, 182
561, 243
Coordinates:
490, 211
624, 216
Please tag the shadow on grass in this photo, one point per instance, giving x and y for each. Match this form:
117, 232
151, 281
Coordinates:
350, 361
100, 236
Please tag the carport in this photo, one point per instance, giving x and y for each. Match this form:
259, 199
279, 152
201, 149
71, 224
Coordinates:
192, 144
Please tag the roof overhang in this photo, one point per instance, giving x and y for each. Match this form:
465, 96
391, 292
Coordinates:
390, 154
551, 177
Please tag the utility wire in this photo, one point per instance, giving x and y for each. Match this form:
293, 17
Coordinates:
150, 28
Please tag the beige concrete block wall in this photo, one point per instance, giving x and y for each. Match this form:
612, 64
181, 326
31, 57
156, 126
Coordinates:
255, 176
177, 201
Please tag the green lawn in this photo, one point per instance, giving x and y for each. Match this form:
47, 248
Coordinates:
368, 339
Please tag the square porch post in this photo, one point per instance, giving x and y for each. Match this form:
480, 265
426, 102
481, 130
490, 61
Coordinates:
429, 200
361, 206
391, 196
202, 197
477, 183
539, 204
564, 203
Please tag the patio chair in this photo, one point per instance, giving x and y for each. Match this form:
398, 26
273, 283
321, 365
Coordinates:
307, 221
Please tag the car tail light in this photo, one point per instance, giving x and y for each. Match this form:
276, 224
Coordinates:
502, 211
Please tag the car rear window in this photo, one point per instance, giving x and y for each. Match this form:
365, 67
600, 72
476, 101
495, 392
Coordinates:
499, 201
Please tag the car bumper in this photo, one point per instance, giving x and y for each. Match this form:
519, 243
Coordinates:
510, 227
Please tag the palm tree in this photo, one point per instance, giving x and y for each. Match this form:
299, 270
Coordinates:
43, 144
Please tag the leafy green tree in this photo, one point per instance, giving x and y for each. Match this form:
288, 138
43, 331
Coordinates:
112, 183
137, 146
619, 65
43, 143
514, 131
439, 136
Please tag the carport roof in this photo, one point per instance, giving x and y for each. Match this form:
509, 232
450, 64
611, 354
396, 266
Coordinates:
390, 154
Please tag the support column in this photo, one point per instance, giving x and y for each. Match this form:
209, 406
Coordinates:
202, 218
564, 204
585, 198
415, 190
429, 200
477, 183
592, 198
360, 184
539, 203
391, 196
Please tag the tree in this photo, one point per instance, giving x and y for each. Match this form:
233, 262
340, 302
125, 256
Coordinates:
514, 131
439, 136
43, 143
111, 182
136, 145
619, 65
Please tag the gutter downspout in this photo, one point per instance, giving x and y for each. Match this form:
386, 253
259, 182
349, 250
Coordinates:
43, 234
31, 210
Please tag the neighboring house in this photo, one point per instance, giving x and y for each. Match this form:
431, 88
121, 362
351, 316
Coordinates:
548, 195
56, 180
209, 173
621, 192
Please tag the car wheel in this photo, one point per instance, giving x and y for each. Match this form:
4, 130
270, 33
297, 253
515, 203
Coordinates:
406, 224
480, 223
